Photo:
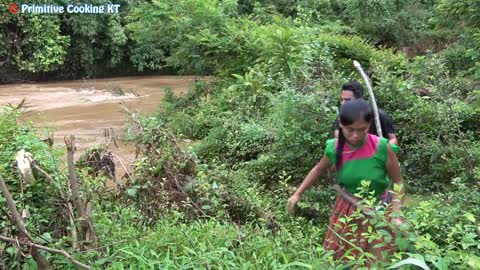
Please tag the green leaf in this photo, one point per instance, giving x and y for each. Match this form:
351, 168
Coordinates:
474, 262
240, 77
411, 261
402, 243
206, 207
440, 263
300, 264
470, 217
11, 251
46, 238
101, 262
188, 187
132, 192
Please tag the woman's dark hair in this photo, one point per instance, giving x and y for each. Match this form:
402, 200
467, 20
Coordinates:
351, 112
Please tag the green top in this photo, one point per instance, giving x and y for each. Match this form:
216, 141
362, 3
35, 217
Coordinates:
365, 162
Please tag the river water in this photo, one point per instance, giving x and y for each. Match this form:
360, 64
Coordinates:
86, 108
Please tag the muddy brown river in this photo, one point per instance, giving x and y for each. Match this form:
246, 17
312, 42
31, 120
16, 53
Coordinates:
85, 108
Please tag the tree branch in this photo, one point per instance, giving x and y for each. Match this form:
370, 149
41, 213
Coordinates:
51, 250
87, 231
70, 143
16, 218
42, 263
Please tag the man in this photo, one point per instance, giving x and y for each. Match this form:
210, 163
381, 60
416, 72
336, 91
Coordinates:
354, 90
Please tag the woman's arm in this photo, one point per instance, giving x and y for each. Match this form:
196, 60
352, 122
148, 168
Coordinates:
393, 170
392, 138
312, 176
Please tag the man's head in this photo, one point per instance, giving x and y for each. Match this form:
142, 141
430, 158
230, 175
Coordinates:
350, 91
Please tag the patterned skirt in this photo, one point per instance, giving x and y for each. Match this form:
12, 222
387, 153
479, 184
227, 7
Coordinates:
351, 235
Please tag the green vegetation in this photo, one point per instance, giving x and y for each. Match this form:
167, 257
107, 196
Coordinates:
195, 36
218, 164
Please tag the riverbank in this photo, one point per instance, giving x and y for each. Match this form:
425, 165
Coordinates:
92, 110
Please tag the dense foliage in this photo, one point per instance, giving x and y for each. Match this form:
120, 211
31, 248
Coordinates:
148, 36
218, 163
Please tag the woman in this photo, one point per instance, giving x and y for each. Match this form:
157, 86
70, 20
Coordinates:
356, 156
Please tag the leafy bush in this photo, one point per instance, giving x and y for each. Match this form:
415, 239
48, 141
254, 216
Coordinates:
169, 28
346, 49
258, 131
446, 231
13, 138
383, 22
41, 203
213, 245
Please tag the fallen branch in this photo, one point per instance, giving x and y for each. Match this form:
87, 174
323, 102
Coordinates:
123, 166
129, 160
50, 178
43, 172
51, 250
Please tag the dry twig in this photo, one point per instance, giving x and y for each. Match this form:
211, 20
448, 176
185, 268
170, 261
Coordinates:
51, 250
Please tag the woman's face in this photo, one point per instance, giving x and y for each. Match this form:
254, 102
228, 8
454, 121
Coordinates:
356, 132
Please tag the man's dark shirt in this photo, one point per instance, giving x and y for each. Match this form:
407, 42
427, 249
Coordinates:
386, 123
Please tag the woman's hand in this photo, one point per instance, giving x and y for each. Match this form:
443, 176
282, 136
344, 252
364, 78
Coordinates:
314, 173
292, 203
